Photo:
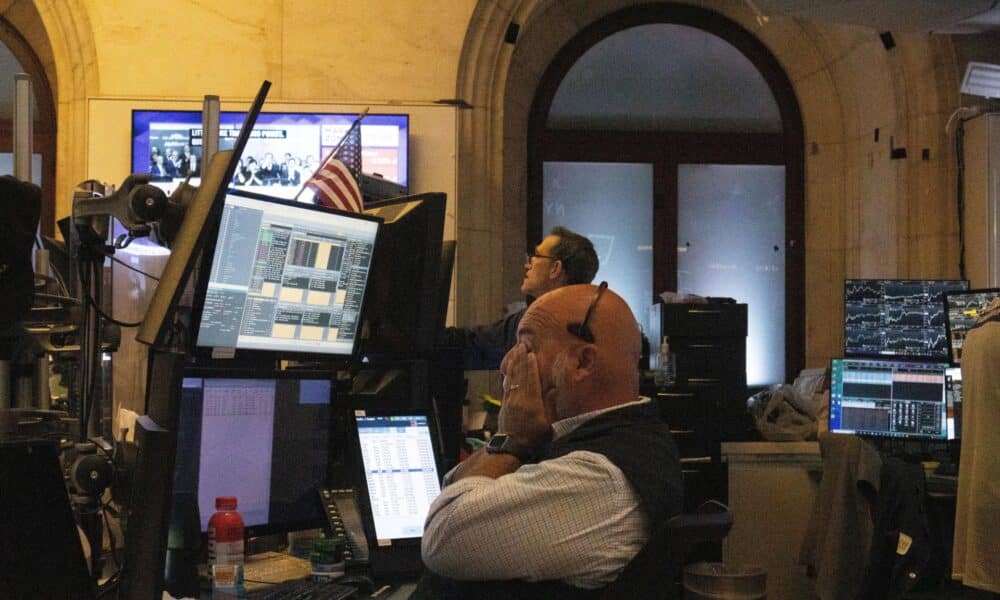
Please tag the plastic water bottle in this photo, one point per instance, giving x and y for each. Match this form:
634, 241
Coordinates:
225, 545
327, 558
666, 368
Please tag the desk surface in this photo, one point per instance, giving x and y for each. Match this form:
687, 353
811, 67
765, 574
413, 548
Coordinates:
276, 567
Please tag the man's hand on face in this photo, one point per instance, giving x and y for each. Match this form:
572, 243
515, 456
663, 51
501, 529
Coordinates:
522, 415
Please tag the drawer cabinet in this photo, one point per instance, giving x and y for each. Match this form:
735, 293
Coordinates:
709, 341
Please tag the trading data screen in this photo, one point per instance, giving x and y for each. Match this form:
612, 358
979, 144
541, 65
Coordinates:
889, 398
897, 318
400, 473
963, 310
286, 278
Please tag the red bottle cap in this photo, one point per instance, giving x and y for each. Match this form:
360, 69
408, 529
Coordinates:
225, 503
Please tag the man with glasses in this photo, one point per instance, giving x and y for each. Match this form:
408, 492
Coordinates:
580, 474
562, 258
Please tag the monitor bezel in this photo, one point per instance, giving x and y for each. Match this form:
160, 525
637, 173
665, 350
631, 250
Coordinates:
135, 130
207, 354
947, 318
892, 357
215, 372
419, 340
908, 437
358, 474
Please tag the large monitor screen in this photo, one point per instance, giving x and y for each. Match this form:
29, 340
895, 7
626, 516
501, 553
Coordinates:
963, 310
283, 151
889, 398
285, 278
401, 477
265, 440
902, 318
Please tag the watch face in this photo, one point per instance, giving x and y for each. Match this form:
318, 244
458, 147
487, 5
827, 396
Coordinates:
496, 443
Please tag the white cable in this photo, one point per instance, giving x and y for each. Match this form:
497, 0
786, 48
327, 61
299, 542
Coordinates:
970, 111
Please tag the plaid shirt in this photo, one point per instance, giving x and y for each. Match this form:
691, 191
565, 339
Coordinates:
575, 518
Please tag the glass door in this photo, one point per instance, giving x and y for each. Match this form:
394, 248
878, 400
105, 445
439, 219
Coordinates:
612, 204
731, 242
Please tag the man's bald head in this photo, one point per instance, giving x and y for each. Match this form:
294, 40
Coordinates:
579, 375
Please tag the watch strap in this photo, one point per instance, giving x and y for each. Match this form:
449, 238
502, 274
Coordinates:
501, 443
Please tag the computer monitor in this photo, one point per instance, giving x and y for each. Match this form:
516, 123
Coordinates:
402, 314
263, 438
963, 308
399, 479
287, 280
886, 398
40, 551
147, 531
199, 219
284, 149
902, 318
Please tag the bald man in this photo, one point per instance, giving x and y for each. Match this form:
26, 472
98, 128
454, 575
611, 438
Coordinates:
580, 474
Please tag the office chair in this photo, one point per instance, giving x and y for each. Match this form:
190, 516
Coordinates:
653, 572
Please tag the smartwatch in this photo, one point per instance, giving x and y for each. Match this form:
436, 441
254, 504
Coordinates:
501, 443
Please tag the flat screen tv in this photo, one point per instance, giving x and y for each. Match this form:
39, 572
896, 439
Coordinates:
283, 150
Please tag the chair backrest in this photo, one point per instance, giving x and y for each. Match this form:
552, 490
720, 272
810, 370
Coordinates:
653, 571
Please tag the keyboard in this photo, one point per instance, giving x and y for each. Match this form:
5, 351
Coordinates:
304, 589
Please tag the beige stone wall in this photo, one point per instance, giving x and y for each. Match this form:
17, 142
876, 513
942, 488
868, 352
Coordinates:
866, 215
312, 50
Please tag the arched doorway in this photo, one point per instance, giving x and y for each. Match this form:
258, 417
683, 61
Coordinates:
17, 56
687, 170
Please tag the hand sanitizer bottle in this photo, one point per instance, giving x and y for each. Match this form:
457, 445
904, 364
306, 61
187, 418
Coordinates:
666, 368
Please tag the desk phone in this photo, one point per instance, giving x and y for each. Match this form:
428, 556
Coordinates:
343, 518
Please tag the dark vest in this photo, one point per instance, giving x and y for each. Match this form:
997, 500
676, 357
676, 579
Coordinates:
636, 441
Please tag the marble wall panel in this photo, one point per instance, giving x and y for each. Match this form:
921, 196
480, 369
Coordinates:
865, 74
795, 50
185, 48
825, 229
389, 61
819, 100
824, 161
825, 274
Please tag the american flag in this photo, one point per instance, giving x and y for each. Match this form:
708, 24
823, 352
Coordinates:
335, 183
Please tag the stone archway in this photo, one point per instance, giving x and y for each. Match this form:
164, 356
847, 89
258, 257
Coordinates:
846, 84
20, 26
59, 32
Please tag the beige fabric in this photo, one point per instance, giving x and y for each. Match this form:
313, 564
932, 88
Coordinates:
977, 517
839, 535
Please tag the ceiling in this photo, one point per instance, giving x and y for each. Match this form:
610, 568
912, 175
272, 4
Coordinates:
938, 16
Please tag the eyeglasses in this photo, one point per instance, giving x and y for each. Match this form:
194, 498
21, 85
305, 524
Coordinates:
530, 254
582, 330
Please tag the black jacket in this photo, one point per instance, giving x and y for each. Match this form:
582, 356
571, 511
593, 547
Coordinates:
484, 346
